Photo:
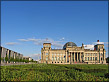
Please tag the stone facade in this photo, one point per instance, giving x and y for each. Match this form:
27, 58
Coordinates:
9, 53
71, 54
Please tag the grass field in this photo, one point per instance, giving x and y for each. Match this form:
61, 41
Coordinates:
53, 72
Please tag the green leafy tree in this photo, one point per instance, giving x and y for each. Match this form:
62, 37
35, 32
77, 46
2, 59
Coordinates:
11, 59
6, 58
21, 60
16, 59
31, 60
26, 60
1, 58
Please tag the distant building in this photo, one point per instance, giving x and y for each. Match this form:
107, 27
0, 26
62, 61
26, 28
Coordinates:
29, 58
10, 54
71, 54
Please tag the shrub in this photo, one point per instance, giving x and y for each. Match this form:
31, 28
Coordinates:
106, 75
91, 70
46, 72
6, 58
2, 59
11, 59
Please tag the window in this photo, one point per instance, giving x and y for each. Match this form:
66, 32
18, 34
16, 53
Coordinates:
101, 58
58, 58
90, 58
85, 54
46, 45
95, 54
95, 58
61, 58
85, 58
52, 58
55, 58
101, 46
101, 54
46, 58
46, 53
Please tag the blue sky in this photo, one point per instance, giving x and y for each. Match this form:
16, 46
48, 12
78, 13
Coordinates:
25, 25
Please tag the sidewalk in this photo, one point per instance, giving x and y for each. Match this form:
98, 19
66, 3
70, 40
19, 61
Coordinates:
7, 64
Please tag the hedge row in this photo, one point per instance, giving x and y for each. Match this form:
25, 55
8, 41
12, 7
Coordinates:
91, 70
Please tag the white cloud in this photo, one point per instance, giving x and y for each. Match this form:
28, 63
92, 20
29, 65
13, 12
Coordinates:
62, 38
106, 42
24, 40
98, 42
35, 55
89, 46
41, 41
11, 43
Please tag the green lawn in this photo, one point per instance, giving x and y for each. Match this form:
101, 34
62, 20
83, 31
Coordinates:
54, 72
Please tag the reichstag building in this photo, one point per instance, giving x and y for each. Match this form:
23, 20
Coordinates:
72, 54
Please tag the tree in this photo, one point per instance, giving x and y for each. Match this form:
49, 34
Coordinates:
16, 59
31, 60
11, 59
26, 60
21, 60
2, 59
6, 58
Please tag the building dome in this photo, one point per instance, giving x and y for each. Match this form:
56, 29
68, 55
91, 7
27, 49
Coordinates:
71, 44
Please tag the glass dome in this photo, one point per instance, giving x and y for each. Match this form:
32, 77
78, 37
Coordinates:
71, 44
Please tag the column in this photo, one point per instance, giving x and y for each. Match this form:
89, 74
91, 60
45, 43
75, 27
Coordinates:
74, 56
104, 56
8, 55
44, 58
77, 56
80, 56
49, 57
56, 57
71, 57
66, 56
98, 57
83, 56
41, 56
